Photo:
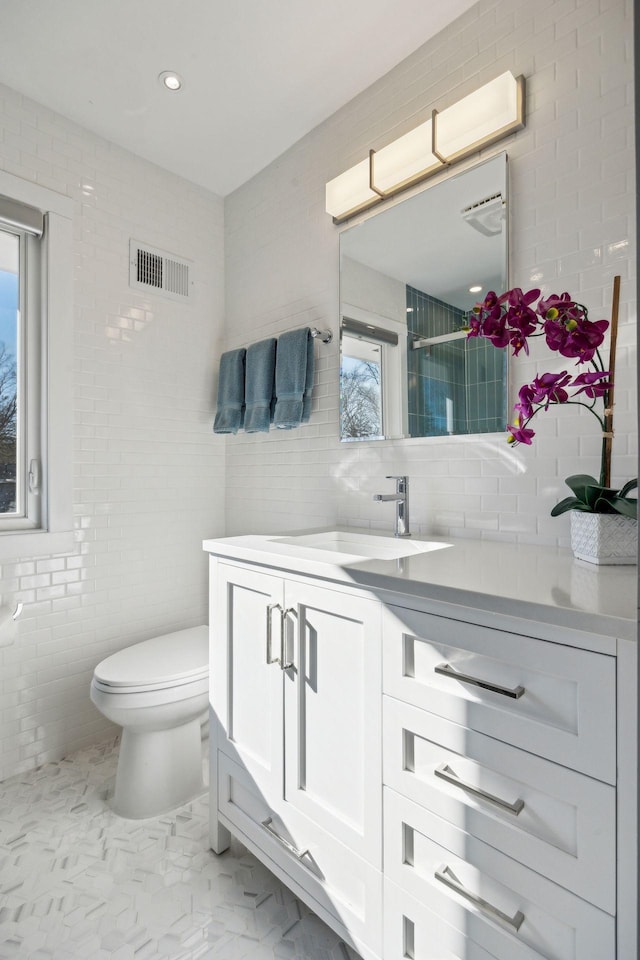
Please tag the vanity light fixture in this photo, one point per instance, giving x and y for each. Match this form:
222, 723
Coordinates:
171, 80
483, 117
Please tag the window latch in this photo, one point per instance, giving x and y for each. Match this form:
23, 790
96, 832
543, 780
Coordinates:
34, 476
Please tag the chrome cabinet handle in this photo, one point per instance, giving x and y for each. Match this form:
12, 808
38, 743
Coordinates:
446, 875
268, 826
447, 671
270, 608
445, 772
285, 663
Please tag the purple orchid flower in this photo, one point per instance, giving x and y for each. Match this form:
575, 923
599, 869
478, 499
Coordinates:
576, 338
511, 318
494, 328
594, 384
549, 388
545, 389
563, 306
520, 434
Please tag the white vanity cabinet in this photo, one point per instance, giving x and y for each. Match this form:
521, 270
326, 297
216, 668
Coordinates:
295, 690
437, 780
499, 796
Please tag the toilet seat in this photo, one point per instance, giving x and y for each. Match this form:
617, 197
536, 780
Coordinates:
171, 660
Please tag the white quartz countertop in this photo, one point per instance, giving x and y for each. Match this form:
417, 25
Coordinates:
520, 580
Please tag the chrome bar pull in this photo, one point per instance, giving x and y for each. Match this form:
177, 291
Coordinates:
270, 608
447, 671
285, 662
446, 875
268, 826
445, 772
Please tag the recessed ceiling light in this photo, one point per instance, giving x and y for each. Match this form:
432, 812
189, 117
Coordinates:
171, 80
475, 289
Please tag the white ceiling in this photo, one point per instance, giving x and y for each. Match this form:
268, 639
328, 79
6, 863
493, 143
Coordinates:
258, 74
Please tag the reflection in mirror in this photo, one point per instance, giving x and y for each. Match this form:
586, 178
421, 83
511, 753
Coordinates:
409, 277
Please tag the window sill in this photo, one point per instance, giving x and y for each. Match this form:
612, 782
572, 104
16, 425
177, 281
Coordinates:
36, 543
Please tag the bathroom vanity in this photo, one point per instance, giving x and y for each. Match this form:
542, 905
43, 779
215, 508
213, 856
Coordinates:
433, 744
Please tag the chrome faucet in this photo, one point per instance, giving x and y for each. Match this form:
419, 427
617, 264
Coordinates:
401, 498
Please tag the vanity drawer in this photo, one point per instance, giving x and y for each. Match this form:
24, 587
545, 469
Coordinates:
504, 907
411, 930
554, 820
554, 701
343, 889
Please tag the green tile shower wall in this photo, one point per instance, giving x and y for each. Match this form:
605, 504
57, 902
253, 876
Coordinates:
443, 371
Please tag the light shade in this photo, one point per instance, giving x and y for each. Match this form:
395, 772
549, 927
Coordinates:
405, 161
486, 115
479, 119
350, 192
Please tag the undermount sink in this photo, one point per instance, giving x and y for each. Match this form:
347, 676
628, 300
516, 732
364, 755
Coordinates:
363, 545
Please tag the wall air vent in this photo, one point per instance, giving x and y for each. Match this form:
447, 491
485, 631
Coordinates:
157, 271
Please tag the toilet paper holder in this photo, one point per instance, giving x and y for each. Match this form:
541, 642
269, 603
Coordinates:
6, 614
8, 626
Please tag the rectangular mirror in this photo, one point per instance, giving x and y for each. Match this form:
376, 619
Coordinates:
408, 278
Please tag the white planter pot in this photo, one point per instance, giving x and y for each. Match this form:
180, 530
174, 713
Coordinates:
604, 537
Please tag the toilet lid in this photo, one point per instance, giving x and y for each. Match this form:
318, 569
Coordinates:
162, 661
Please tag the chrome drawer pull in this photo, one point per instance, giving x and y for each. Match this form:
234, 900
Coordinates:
445, 772
271, 607
447, 876
299, 854
448, 671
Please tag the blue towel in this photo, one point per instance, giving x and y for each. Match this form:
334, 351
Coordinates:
294, 379
259, 385
230, 412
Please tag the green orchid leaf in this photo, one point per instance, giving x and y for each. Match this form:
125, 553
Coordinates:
628, 487
595, 494
628, 508
605, 493
581, 483
569, 503
604, 505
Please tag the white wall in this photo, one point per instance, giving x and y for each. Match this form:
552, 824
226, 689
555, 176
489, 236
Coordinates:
148, 472
572, 228
370, 290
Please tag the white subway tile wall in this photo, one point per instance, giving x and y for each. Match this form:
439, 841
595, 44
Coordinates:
148, 472
572, 228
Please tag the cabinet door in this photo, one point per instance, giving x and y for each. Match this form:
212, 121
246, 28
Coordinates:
246, 678
333, 713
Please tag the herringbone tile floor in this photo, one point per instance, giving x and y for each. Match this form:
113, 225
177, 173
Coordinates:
79, 883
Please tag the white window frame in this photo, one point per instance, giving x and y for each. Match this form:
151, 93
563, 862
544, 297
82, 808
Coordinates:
54, 532
394, 372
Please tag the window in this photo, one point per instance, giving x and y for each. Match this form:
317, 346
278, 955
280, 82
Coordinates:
35, 375
360, 389
20, 378
9, 324
373, 351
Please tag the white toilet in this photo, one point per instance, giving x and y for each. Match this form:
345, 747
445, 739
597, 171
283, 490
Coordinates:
158, 692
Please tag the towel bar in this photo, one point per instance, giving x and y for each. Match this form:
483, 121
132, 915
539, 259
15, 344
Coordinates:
326, 336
